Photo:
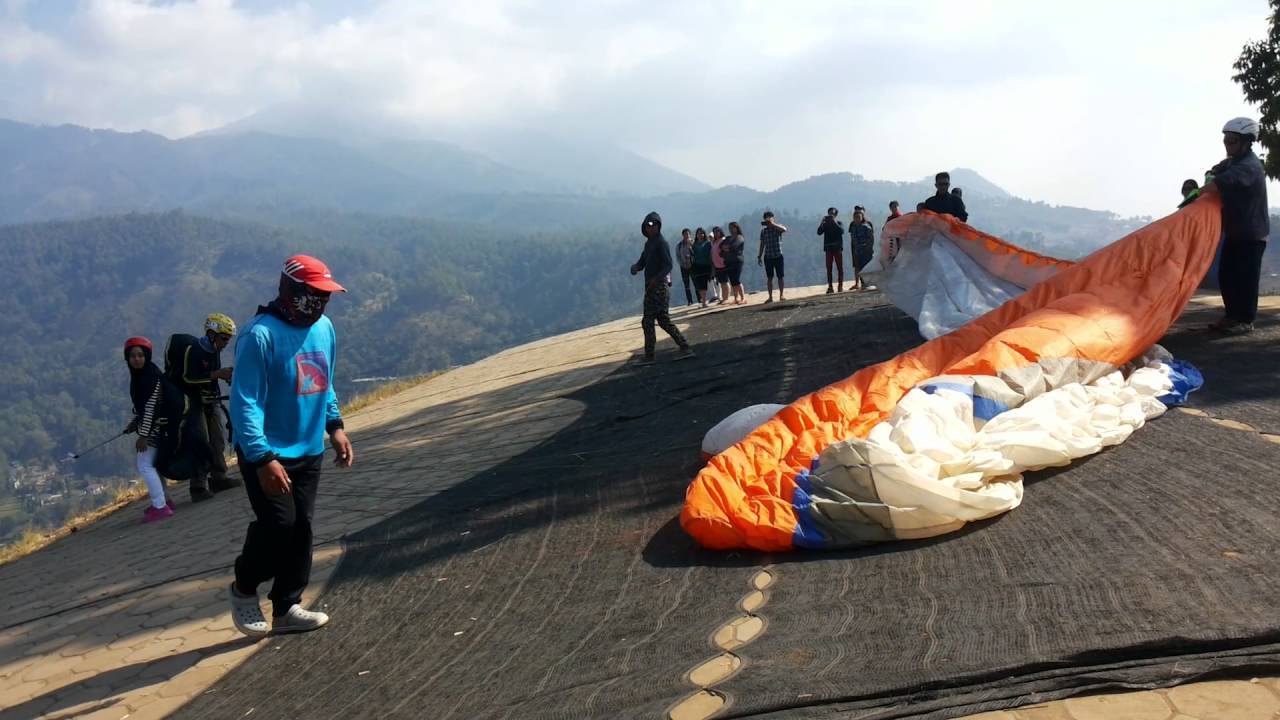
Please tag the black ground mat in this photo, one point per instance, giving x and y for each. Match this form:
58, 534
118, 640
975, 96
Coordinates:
558, 584
1242, 373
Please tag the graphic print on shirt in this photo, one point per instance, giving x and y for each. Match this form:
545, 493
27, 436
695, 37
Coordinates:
313, 372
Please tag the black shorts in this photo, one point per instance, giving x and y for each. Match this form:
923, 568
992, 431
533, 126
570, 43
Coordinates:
735, 272
722, 275
701, 276
773, 266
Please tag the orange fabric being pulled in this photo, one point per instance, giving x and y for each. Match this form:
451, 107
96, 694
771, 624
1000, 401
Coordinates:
1109, 307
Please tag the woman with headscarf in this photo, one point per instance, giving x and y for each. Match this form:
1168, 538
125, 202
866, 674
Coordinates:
150, 416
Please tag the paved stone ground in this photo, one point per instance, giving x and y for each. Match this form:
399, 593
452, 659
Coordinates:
124, 620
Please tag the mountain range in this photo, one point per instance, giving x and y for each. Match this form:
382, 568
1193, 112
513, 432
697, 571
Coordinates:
526, 178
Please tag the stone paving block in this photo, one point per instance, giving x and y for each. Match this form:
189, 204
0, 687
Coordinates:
18, 692
78, 700
1131, 706
50, 645
1225, 700
163, 620
153, 650
49, 667
185, 628
100, 660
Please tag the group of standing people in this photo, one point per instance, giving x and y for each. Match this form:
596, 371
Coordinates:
862, 240
178, 413
713, 265
282, 405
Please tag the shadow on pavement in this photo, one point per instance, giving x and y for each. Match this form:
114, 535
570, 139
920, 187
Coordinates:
102, 688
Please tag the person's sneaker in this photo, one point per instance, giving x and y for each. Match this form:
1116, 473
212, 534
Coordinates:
643, 361
830, 291
200, 494
298, 620
1239, 328
168, 502
768, 300
246, 613
155, 514
686, 353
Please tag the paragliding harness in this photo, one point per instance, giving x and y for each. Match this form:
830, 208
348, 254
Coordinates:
185, 452
181, 453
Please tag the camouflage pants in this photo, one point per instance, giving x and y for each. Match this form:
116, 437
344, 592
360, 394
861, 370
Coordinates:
657, 298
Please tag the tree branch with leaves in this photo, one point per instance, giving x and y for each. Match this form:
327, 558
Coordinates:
1258, 73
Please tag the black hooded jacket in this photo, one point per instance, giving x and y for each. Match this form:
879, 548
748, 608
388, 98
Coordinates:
655, 259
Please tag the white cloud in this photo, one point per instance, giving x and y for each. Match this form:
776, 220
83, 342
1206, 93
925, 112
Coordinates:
1101, 104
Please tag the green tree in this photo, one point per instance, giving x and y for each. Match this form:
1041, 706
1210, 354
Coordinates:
1258, 72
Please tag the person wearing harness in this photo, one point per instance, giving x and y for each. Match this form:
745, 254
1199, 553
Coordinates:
195, 366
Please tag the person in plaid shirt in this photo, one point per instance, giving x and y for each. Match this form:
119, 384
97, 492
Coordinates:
770, 254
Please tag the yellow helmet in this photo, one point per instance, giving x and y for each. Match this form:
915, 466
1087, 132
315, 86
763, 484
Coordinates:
220, 324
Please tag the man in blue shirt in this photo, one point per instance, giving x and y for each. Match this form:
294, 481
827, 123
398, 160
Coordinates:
1242, 183
282, 405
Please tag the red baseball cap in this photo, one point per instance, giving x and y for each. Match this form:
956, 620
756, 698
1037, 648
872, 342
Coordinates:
309, 270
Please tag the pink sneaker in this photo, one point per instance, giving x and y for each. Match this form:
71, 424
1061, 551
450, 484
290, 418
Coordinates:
152, 514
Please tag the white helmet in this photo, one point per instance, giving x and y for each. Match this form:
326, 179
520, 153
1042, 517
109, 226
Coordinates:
1243, 126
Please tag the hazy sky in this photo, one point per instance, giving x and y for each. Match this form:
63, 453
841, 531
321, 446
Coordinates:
1107, 105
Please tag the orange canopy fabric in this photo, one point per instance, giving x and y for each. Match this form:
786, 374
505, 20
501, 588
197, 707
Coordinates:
1104, 310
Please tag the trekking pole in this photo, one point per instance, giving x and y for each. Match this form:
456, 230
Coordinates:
76, 455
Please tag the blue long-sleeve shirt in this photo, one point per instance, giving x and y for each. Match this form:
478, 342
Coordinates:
282, 398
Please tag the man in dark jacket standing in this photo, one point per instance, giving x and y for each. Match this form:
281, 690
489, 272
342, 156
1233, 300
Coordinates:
194, 364
832, 232
1242, 183
943, 202
655, 261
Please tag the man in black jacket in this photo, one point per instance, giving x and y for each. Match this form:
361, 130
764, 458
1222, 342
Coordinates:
655, 261
832, 232
194, 364
943, 202
1242, 183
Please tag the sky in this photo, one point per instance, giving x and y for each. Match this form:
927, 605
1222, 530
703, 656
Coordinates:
1107, 105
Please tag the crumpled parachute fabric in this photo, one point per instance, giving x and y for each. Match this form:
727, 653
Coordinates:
940, 435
